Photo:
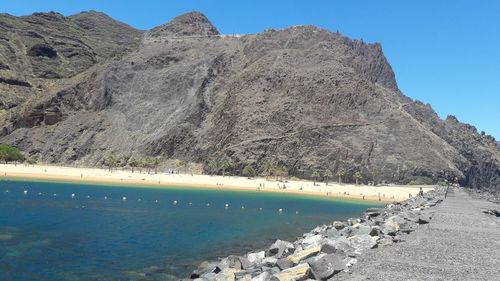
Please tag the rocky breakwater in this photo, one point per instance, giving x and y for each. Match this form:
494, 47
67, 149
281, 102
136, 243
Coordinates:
328, 249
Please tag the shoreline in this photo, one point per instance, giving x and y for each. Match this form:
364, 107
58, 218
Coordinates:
351, 192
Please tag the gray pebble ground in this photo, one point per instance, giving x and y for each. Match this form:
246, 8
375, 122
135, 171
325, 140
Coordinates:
460, 243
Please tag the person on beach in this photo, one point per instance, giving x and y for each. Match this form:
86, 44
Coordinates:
421, 192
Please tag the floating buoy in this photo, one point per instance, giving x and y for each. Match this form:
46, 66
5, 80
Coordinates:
39, 193
227, 205
25, 192
243, 207
124, 198
280, 210
296, 212
55, 194
208, 204
260, 209
88, 196
175, 202
105, 197
156, 201
72, 195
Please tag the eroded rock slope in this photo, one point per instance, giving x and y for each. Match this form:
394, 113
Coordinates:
305, 97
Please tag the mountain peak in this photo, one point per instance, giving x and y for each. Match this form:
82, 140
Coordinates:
188, 24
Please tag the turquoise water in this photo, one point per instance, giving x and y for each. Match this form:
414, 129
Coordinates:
56, 237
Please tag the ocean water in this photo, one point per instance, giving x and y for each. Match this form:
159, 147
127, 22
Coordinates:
46, 234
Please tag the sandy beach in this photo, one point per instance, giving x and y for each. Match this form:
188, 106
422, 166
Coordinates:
163, 180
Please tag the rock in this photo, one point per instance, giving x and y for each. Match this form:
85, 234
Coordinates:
423, 219
339, 245
264, 276
363, 242
280, 247
246, 277
226, 274
208, 276
338, 225
269, 261
360, 229
492, 212
312, 241
331, 233
251, 271
245, 263
407, 227
299, 256
297, 273
230, 262
391, 225
327, 266
346, 231
318, 229
204, 267
350, 262
256, 257
284, 263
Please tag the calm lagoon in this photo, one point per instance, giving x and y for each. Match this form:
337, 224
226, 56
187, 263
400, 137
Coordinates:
46, 234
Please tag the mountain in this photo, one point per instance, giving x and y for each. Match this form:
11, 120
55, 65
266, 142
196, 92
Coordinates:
304, 97
41, 51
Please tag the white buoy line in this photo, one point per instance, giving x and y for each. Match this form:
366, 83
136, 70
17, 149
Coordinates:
175, 202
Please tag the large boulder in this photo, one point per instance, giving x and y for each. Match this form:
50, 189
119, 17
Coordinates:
297, 273
392, 225
304, 254
312, 241
363, 242
327, 266
339, 245
226, 274
280, 247
256, 257
230, 262
360, 229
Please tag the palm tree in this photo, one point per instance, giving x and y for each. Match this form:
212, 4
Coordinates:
133, 163
315, 175
180, 164
358, 176
123, 161
148, 163
224, 164
110, 161
212, 166
248, 171
31, 161
155, 161
281, 171
269, 168
340, 174
234, 165
327, 174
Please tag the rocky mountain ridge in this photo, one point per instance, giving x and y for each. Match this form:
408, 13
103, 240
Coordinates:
304, 97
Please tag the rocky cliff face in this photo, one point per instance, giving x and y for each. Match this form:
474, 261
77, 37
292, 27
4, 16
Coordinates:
41, 51
307, 98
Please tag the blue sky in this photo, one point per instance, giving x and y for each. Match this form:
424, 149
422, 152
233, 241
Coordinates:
446, 53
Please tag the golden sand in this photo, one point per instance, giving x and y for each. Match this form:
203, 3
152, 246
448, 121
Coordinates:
388, 193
